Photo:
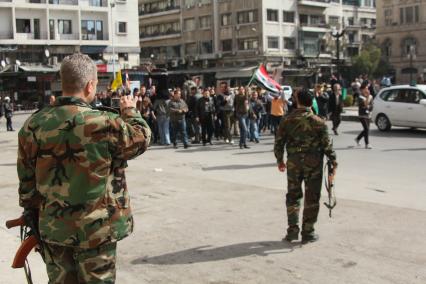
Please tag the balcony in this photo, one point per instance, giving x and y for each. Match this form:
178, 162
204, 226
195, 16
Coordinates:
317, 28
93, 3
159, 35
64, 2
164, 11
314, 3
30, 36
65, 37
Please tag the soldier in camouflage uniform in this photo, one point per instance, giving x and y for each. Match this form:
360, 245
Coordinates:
71, 163
305, 137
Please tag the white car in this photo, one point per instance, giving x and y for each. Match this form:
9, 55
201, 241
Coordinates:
288, 91
401, 105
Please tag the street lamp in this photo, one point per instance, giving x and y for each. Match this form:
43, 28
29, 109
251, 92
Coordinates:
337, 35
112, 5
412, 56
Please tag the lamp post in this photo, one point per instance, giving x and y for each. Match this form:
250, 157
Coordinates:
411, 56
112, 5
337, 35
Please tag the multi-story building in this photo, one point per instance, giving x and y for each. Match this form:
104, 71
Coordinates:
228, 39
401, 31
30, 27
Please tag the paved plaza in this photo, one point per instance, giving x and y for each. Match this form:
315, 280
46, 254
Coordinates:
216, 215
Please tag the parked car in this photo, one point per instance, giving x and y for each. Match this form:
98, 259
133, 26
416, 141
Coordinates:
401, 105
288, 91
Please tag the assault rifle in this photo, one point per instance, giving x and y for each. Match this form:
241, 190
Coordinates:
30, 239
329, 186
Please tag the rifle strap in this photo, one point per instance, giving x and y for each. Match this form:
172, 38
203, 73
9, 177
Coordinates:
28, 272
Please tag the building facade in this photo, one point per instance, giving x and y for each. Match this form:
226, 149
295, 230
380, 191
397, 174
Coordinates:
231, 38
401, 32
35, 35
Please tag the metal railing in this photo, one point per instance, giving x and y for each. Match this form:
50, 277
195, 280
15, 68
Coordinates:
158, 10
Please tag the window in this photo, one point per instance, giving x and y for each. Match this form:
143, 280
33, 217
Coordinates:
368, 3
64, 27
189, 24
247, 17
387, 48
388, 17
95, 3
365, 38
227, 45
23, 26
303, 19
401, 15
123, 56
289, 43
409, 15
333, 20
190, 3
272, 15
416, 14
160, 29
389, 96
248, 44
190, 48
414, 97
122, 27
205, 22
91, 30
351, 21
273, 42
206, 47
226, 19
288, 17
409, 46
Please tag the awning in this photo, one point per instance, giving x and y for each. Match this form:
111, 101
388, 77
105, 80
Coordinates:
39, 68
92, 49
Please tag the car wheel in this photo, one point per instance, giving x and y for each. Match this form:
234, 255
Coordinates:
383, 122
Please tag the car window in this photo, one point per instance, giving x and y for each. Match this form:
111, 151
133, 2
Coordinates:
389, 96
402, 96
414, 96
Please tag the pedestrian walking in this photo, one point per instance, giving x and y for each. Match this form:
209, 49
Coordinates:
365, 106
241, 113
278, 106
8, 113
163, 119
71, 170
305, 138
226, 106
178, 109
336, 107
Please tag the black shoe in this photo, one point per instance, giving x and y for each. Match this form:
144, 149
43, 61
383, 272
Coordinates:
291, 237
310, 238
247, 147
186, 146
204, 143
257, 141
241, 146
175, 145
210, 142
335, 132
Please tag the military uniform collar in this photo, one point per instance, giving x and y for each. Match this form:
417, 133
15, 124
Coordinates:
68, 100
304, 109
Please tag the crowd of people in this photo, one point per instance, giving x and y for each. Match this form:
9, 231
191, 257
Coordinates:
196, 115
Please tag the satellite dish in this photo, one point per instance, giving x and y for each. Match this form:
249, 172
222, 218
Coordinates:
7, 60
17, 62
3, 63
47, 53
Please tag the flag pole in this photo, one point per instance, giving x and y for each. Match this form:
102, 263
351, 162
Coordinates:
252, 78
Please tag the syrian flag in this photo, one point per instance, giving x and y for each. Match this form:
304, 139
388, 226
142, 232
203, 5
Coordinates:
262, 78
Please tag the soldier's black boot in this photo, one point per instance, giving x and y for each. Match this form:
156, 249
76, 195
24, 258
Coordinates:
292, 234
309, 238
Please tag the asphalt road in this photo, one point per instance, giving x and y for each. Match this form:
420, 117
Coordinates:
216, 214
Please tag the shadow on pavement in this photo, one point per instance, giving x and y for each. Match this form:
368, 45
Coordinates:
408, 149
8, 165
253, 152
207, 254
397, 133
239, 167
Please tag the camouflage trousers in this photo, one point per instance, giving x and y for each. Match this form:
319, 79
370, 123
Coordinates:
68, 265
307, 169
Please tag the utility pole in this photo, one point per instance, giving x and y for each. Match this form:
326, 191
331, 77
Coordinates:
411, 56
337, 35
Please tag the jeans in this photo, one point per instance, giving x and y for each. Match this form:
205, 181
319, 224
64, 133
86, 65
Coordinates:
9, 123
242, 121
179, 128
227, 124
164, 129
275, 122
254, 129
366, 129
207, 128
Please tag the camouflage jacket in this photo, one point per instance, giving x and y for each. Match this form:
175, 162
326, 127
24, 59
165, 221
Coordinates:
303, 132
71, 162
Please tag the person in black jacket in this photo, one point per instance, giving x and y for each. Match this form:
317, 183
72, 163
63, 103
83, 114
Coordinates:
204, 113
365, 106
336, 107
8, 111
